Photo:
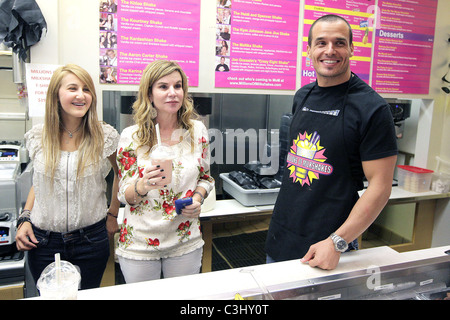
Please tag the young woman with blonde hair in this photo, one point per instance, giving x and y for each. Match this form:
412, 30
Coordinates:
154, 239
72, 152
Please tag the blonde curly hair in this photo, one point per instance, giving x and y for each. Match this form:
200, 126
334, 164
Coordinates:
144, 111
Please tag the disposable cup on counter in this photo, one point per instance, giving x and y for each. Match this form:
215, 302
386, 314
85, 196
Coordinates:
440, 182
59, 281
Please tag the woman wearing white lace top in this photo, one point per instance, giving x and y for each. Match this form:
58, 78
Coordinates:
72, 153
154, 239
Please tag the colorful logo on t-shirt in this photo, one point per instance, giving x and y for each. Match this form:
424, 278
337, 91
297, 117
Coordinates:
306, 159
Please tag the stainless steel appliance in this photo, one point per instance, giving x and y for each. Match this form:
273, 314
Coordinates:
9, 171
401, 110
12, 157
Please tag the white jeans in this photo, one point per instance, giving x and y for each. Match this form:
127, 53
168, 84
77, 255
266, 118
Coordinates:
145, 270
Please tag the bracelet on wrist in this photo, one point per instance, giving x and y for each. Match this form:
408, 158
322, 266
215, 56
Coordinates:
23, 217
21, 220
112, 215
25, 213
201, 196
136, 190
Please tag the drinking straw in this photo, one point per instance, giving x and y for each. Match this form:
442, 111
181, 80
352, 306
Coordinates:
315, 138
261, 285
58, 268
158, 135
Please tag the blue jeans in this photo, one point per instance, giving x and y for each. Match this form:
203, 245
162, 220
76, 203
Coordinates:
87, 248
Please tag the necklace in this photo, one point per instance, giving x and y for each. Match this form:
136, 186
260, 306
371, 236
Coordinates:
69, 132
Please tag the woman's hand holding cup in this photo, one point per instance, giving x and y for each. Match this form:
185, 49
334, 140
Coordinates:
153, 178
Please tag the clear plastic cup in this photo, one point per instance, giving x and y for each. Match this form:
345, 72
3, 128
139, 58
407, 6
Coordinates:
163, 155
59, 283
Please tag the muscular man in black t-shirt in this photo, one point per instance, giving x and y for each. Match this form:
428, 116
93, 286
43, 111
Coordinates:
341, 131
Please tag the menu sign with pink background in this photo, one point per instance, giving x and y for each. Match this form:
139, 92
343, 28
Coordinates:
359, 16
256, 41
404, 46
136, 33
256, 44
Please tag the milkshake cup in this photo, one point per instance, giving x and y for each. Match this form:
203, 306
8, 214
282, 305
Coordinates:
163, 156
59, 281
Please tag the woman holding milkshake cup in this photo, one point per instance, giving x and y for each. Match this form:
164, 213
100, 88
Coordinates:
162, 158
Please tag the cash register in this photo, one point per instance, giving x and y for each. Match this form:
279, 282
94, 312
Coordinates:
12, 159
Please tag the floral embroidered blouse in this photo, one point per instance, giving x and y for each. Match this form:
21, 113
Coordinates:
152, 229
73, 204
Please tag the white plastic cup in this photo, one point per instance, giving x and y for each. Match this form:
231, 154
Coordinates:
62, 285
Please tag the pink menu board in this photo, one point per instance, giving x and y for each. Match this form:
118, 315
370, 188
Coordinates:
256, 44
404, 46
136, 33
359, 14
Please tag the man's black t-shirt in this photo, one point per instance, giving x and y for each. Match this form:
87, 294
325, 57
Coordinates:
333, 130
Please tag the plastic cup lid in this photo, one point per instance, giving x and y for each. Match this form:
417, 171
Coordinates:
162, 151
68, 276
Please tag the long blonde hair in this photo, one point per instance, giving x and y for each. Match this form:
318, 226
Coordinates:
91, 134
143, 108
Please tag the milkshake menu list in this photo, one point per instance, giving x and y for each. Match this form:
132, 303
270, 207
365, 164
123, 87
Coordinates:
403, 32
256, 41
404, 46
256, 44
136, 33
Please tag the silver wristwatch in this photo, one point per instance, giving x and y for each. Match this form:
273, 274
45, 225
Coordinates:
339, 243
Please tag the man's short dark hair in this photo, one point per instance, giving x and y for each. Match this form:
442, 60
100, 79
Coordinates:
330, 18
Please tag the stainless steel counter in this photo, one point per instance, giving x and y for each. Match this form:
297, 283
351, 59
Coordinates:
377, 273
415, 280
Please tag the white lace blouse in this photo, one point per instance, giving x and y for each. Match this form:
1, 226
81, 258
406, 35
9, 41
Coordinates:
69, 204
152, 229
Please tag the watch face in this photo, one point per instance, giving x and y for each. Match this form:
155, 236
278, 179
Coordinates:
341, 245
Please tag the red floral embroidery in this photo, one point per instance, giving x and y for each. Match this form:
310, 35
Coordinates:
204, 144
152, 242
166, 203
126, 234
184, 231
126, 160
168, 208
